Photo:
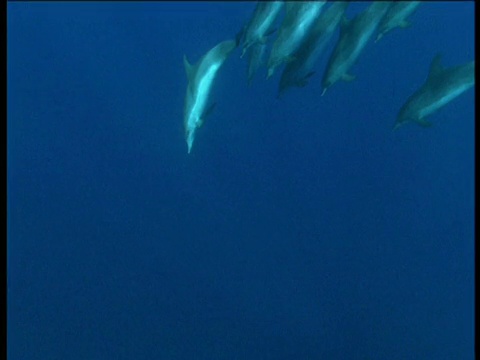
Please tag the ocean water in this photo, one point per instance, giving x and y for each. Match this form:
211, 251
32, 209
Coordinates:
298, 228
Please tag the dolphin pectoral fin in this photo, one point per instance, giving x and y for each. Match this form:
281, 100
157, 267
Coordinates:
396, 126
309, 75
240, 35
423, 123
244, 51
436, 66
208, 111
379, 36
270, 72
303, 82
263, 40
189, 69
348, 77
290, 59
405, 24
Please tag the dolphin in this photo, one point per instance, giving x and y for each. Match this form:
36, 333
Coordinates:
255, 60
298, 72
299, 18
354, 36
442, 86
396, 16
261, 23
200, 80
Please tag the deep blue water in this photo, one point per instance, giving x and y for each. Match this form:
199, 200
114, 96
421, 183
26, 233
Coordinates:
300, 228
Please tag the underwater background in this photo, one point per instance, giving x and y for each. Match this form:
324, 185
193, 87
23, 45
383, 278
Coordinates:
298, 228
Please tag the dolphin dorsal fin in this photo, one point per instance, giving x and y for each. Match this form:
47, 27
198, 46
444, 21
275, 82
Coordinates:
189, 69
436, 66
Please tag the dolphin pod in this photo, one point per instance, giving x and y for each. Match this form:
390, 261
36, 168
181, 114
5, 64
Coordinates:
303, 33
299, 18
261, 24
297, 73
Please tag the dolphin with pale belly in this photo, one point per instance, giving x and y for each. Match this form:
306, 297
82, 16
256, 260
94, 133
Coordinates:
200, 80
442, 86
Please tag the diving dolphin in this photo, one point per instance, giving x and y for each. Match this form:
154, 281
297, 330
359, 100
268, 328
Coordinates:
298, 72
299, 18
354, 36
261, 23
200, 80
255, 60
442, 86
397, 16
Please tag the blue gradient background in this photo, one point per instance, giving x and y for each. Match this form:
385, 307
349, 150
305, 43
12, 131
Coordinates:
300, 228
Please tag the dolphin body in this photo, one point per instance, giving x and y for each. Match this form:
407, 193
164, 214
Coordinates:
298, 72
397, 16
354, 36
261, 23
200, 80
299, 18
255, 60
442, 86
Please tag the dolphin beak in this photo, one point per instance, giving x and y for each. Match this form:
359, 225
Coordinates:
189, 141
